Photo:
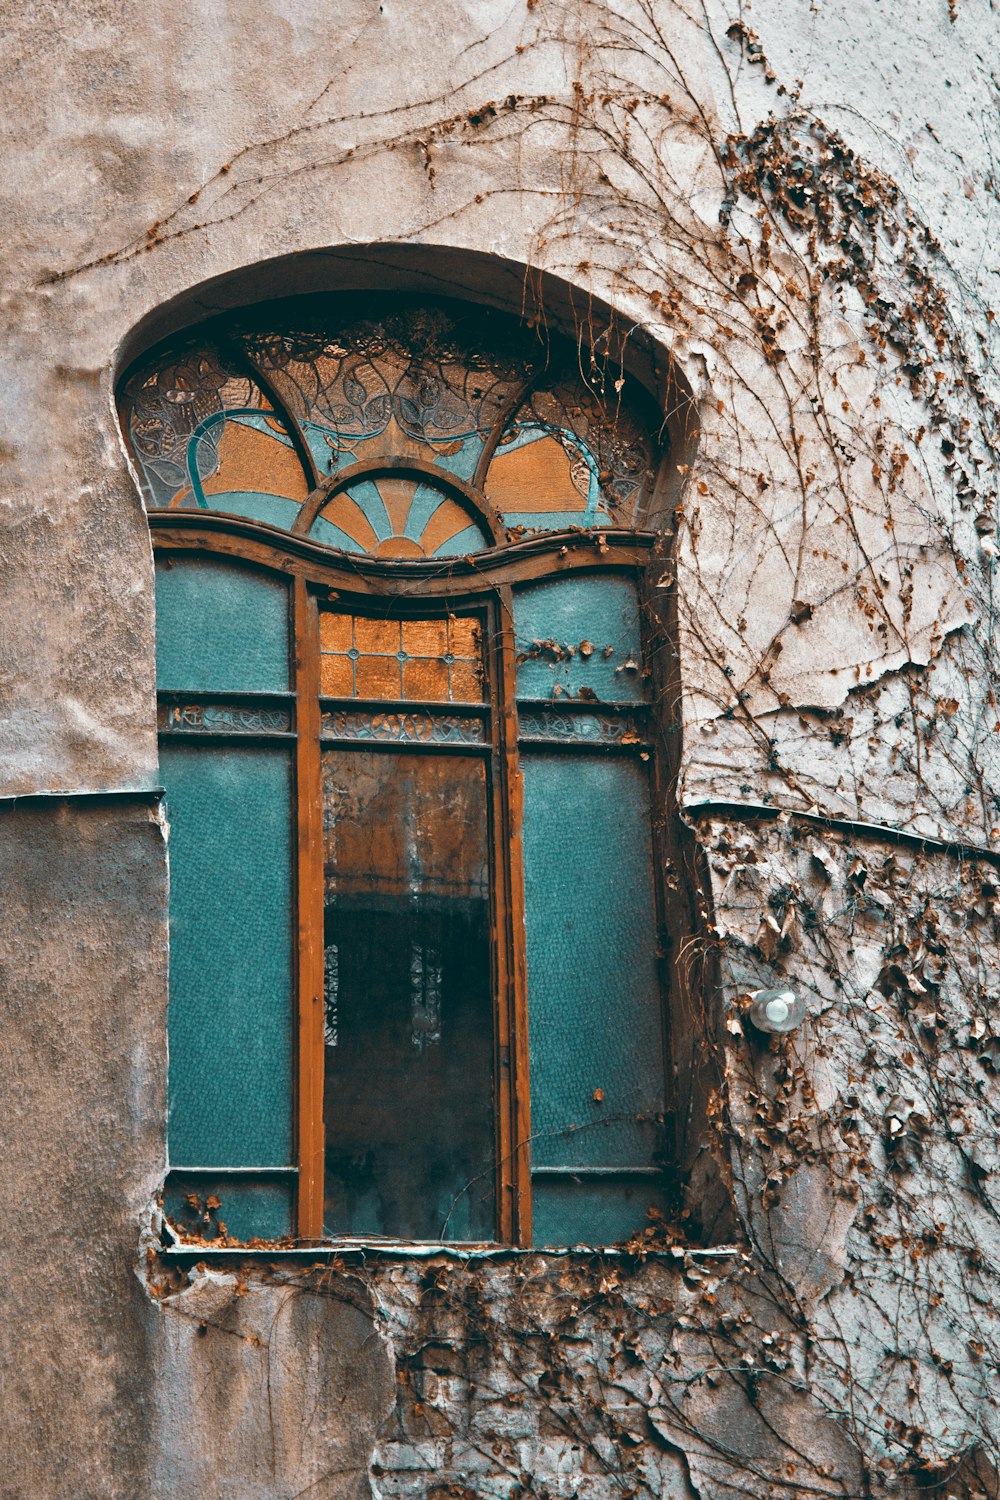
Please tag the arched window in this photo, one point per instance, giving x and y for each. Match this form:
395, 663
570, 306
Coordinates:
405, 724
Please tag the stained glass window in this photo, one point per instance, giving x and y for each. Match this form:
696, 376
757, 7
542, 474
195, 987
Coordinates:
406, 725
419, 432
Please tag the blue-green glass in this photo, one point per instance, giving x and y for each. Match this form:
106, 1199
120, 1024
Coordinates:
553, 620
275, 510
582, 1211
230, 1019
594, 1021
250, 1209
220, 626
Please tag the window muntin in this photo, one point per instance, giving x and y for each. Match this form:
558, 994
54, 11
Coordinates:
386, 690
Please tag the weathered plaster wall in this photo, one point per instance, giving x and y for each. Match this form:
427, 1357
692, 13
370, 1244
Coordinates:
797, 201
82, 1103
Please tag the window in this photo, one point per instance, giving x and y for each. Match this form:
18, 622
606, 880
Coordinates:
406, 731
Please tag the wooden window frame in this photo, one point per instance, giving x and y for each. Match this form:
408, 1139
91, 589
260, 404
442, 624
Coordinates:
483, 583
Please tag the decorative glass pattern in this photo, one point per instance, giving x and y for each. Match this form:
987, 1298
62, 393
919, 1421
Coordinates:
393, 516
422, 728
206, 437
571, 457
409, 661
221, 718
423, 381
546, 726
397, 393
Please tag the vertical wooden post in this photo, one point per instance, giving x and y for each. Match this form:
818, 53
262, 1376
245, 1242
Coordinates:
512, 996
309, 1092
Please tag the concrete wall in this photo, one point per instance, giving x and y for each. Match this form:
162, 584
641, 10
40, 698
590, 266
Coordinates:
796, 201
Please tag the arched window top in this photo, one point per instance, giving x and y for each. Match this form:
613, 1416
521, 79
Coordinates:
392, 428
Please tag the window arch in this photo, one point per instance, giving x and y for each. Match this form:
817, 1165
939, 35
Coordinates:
406, 729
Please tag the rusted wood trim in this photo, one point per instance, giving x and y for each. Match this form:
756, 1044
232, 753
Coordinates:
408, 747
502, 947
243, 696
394, 463
228, 736
443, 707
517, 1173
546, 555
309, 874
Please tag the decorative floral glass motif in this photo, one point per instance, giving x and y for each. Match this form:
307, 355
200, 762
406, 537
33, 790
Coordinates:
206, 436
391, 428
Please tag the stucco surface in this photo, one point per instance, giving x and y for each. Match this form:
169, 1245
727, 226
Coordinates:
82, 1104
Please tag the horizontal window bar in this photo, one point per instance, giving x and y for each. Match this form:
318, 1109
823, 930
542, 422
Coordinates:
228, 736
408, 705
411, 747
214, 695
566, 704
597, 1171
233, 1172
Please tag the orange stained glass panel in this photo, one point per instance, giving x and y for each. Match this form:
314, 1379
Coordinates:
465, 637
346, 513
378, 677
447, 521
336, 676
252, 461
429, 661
425, 637
381, 637
466, 682
426, 678
539, 476
336, 632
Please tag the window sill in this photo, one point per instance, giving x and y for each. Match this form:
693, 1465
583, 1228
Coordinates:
368, 1248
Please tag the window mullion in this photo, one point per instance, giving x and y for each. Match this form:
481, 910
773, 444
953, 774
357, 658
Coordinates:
309, 1093
512, 983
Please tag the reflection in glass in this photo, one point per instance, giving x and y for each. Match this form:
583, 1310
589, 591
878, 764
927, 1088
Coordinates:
409, 1110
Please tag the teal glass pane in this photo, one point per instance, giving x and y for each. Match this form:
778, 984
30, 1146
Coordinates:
580, 635
255, 505
594, 1019
249, 1208
220, 626
230, 1018
579, 1211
